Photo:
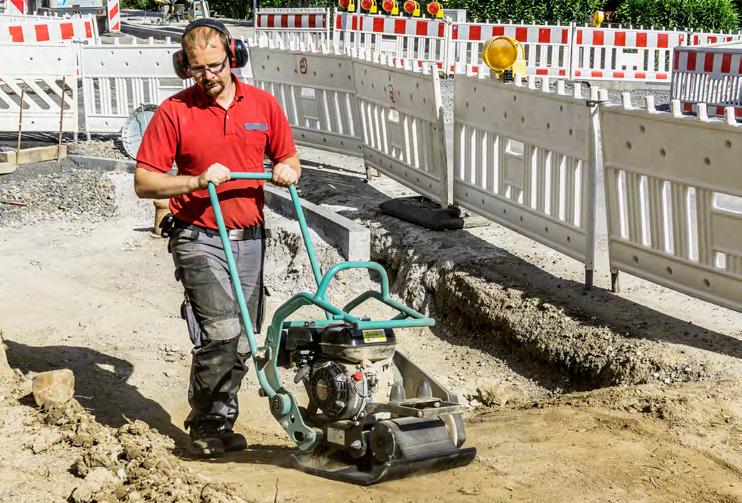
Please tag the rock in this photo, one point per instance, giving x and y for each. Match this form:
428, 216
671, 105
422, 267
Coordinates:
97, 480
54, 387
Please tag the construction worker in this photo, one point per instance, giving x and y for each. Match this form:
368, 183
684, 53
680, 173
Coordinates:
216, 126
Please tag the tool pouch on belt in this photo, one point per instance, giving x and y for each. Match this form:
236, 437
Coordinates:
167, 224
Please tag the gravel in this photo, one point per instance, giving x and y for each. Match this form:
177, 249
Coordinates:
51, 191
110, 148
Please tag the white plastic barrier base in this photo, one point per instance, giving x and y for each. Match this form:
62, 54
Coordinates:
674, 200
526, 159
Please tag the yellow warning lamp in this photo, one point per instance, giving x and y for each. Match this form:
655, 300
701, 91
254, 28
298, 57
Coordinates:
348, 5
435, 9
597, 18
412, 8
369, 6
390, 7
505, 56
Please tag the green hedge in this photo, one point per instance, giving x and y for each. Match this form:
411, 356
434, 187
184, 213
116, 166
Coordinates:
695, 14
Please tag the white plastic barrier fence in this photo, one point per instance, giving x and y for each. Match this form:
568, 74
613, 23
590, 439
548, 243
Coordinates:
285, 26
674, 200
710, 75
119, 78
547, 48
39, 29
713, 38
412, 41
526, 158
624, 54
36, 72
317, 92
403, 131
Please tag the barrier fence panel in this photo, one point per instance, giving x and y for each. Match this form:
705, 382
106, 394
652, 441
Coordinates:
303, 25
674, 199
36, 72
118, 78
41, 29
547, 48
403, 132
623, 54
710, 75
713, 38
404, 40
317, 92
527, 159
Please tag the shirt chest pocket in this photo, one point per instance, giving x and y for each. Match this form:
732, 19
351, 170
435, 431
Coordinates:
255, 133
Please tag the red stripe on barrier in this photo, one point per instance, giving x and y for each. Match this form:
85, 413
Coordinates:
691, 64
298, 20
455, 32
421, 29
663, 40
354, 23
579, 37
400, 26
620, 39
521, 34
562, 72
67, 31
339, 23
114, 10
640, 75
42, 32
565, 36
708, 62
16, 33
324, 21
88, 29
598, 37
378, 25
498, 31
661, 76
641, 39
740, 66
676, 60
269, 21
544, 35
116, 27
578, 73
687, 107
441, 29
618, 75
20, 5
596, 73
475, 32
542, 71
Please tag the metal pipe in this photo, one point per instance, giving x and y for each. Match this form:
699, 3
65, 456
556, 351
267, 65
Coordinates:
61, 116
20, 127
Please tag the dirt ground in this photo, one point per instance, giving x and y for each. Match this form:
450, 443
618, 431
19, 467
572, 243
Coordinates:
100, 299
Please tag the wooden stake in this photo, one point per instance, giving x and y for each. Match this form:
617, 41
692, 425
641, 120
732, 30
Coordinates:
61, 117
20, 124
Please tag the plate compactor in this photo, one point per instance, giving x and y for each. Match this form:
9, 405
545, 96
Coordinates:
372, 414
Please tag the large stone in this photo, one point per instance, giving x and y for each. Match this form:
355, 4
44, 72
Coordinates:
98, 480
54, 387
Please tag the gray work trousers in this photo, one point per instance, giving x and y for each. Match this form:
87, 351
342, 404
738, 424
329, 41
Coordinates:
220, 349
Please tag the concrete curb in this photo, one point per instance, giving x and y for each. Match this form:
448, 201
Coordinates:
354, 240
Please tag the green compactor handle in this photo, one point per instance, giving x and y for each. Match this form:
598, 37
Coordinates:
283, 405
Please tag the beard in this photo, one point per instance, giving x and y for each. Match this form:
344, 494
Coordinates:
213, 87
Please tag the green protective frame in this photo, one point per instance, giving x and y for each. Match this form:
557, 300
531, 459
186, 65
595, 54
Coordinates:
283, 405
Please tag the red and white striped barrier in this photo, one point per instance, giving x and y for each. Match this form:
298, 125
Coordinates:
710, 75
288, 26
15, 7
404, 40
712, 38
114, 16
52, 30
547, 48
620, 54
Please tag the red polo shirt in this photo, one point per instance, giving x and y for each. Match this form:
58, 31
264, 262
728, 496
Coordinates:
194, 131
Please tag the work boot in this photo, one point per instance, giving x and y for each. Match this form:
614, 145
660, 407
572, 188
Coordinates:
206, 441
233, 441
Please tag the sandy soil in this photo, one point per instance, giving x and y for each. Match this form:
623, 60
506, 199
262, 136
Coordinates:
101, 299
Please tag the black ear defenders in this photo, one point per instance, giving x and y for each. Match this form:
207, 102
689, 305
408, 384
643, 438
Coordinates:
236, 49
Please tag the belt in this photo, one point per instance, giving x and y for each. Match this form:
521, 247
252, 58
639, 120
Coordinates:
254, 232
